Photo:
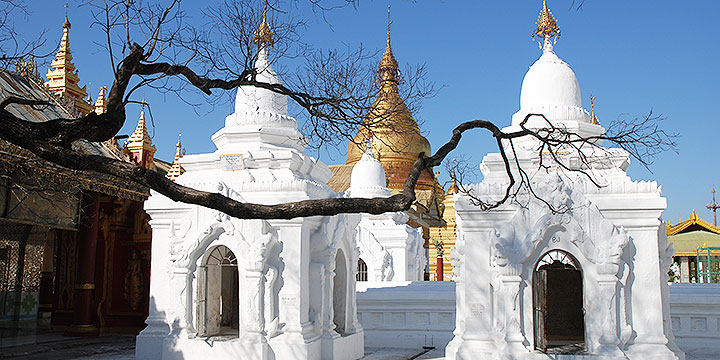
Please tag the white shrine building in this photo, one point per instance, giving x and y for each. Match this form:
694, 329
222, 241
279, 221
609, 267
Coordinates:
226, 288
390, 249
586, 281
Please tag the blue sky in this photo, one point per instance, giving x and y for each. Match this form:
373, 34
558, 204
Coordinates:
634, 56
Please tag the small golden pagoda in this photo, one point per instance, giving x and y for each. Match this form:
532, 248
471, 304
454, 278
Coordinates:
176, 169
139, 145
63, 79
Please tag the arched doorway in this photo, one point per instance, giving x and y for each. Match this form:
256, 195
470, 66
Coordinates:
340, 293
362, 271
559, 317
218, 293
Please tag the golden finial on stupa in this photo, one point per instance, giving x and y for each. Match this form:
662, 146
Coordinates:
453, 189
593, 119
66, 24
263, 34
389, 69
546, 24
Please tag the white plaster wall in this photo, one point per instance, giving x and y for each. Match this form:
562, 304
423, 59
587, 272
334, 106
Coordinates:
406, 314
393, 314
695, 315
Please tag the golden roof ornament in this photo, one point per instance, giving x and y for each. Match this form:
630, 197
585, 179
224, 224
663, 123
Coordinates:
263, 34
66, 24
176, 169
140, 144
389, 69
546, 25
593, 119
453, 189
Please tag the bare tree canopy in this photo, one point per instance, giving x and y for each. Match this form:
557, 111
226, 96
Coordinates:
152, 47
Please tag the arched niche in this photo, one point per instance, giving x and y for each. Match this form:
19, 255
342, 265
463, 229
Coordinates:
559, 314
340, 286
218, 293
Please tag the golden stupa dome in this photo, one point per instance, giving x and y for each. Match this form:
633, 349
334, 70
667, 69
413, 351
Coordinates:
391, 130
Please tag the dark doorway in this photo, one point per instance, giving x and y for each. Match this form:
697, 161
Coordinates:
559, 316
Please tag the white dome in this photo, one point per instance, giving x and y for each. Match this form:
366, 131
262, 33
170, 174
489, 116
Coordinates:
550, 81
368, 178
251, 99
550, 87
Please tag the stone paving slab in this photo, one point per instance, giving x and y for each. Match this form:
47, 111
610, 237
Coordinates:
122, 347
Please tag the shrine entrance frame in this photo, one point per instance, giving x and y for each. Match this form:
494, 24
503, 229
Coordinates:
558, 298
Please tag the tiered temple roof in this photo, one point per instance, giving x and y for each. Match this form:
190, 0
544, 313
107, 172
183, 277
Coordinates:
63, 78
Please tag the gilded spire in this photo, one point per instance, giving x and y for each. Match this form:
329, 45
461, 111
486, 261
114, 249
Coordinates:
453, 189
66, 24
100, 106
176, 169
546, 25
263, 34
389, 69
140, 144
593, 119
63, 78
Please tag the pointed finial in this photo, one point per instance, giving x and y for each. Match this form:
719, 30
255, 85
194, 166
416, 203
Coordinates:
453, 189
66, 24
143, 103
389, 69
175, 168
388, 26
263, 34
546, 26
593, 119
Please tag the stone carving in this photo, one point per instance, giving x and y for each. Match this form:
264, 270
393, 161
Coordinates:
387, 268
133, 281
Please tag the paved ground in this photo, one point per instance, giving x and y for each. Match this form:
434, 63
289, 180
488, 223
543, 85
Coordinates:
122, 347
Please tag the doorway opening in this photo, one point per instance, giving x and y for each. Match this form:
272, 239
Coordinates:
218, 294
559, 316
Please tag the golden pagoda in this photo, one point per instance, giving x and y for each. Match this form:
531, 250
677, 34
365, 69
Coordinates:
396, 141
393, 135
63, 79
139, 144
176, 169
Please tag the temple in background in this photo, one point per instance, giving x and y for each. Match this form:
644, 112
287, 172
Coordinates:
697, 248
74, 245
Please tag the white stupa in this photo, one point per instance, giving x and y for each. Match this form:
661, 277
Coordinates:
367, 179
550, 87
587, 281
390, 250
227, 288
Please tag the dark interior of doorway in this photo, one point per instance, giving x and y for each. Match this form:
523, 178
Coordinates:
559, 314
